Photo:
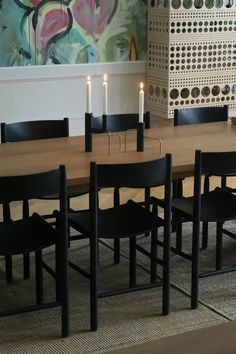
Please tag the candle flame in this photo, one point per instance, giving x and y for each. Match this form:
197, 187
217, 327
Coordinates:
105, 77
141, 85
88, 78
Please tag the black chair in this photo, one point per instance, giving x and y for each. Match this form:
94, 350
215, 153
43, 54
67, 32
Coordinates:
41, 129
196, 116
200, 115
125, 221
33, 130
114, 123
33, 234
118, 122
216, 206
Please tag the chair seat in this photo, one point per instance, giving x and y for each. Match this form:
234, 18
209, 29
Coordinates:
218, 205
72, 191
25, 235
119, 222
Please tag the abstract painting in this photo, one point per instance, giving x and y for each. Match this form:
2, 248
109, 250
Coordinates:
45, 32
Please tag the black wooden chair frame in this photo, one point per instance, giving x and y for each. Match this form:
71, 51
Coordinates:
113, 123
32, 130
191, 116
16, 188
141, 175
208, 164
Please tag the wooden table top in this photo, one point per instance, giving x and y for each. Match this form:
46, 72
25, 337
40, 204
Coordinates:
41, 155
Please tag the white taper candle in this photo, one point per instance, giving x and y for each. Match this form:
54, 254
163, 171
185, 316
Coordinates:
89, 95
141, 103
105, 94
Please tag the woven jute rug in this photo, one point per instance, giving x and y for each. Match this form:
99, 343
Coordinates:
217, 292
124, 320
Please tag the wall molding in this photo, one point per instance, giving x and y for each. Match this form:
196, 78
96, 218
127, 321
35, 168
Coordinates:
72, 72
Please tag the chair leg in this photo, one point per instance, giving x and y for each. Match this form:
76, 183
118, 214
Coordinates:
175, 195
93, 284
153, 262
65, 313
64, 292
116, 201
26, 265
223, 182
58, 271
39, 277
166, 275
58, 263
219, 244
68, 208
132, 262
8, 259
205, 224
26, 256
147, 194
116, 250
195, 266
9, 273
179, 234
177, 221
204, 235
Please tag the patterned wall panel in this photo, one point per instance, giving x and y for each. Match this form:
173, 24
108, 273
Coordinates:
191, 54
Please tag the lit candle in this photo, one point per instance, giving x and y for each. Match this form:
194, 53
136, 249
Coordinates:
105, 94
141, 103
88, 90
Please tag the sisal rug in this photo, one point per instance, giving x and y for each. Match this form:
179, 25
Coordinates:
124, 320
216, 292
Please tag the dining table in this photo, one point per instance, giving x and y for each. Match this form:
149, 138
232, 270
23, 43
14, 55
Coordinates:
28, 157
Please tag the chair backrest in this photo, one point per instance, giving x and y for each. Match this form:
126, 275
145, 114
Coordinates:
33, 130
216, 163
200, 115
211, 163
33, 186
133, 175
118, 122
17, 188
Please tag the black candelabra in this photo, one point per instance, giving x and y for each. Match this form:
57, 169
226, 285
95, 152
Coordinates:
102, 127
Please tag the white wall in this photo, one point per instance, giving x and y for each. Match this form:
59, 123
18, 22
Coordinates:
54, 92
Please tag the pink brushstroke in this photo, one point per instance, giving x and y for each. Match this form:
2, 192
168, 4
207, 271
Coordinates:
54, 21
106, 9
83, 11
84, 14
35, 2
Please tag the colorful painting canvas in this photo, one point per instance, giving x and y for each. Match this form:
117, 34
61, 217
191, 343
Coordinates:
44, 32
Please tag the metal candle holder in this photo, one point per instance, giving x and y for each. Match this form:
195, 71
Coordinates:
140, 136
88, 132
104, 123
